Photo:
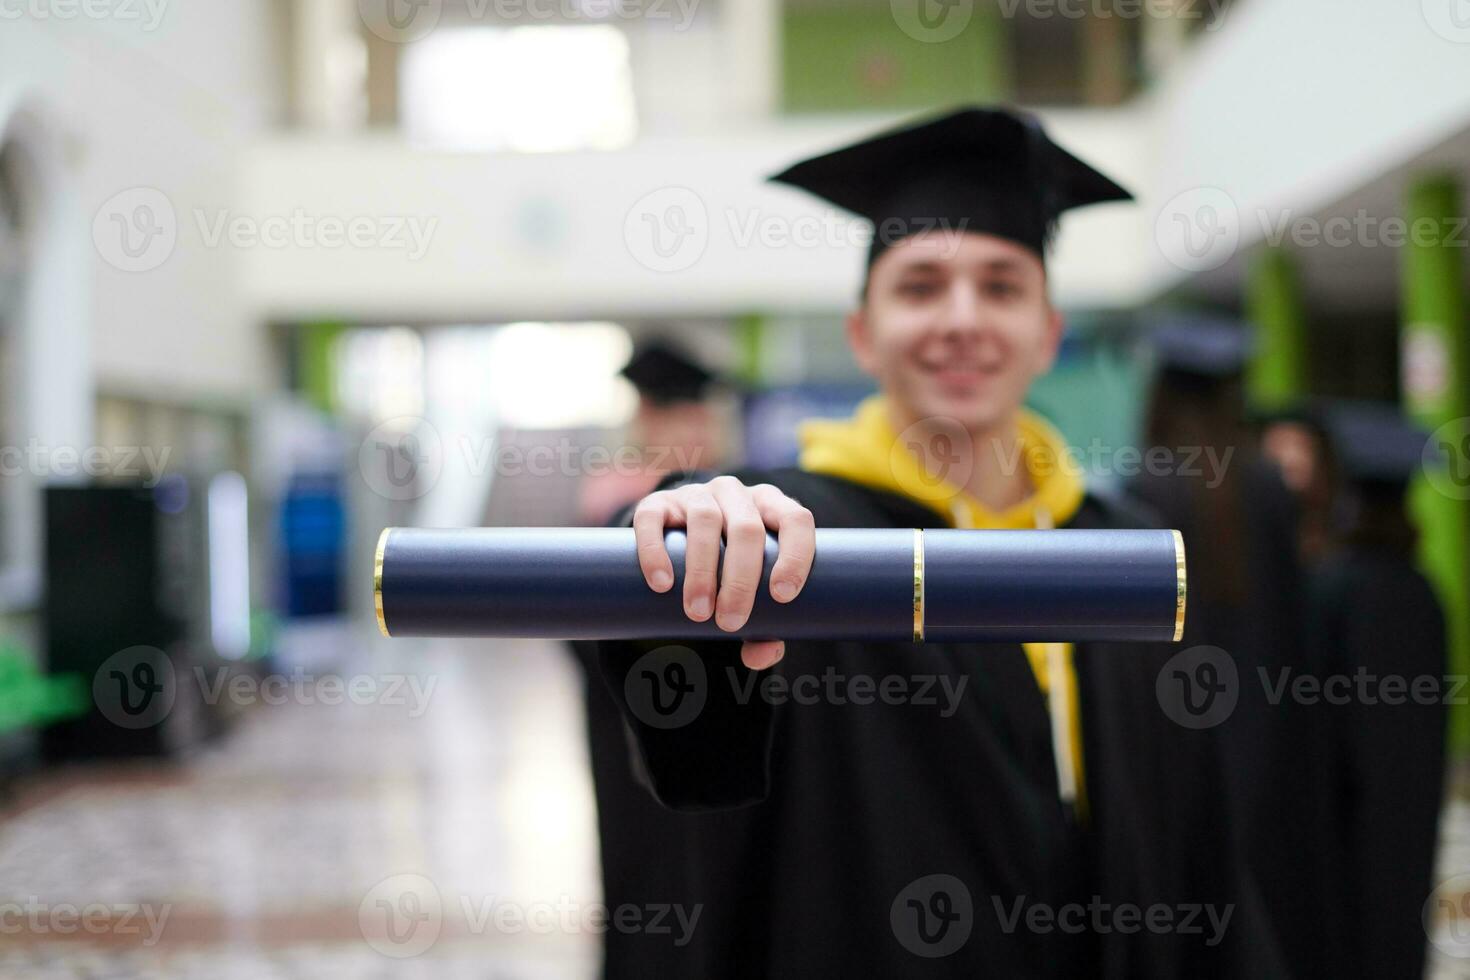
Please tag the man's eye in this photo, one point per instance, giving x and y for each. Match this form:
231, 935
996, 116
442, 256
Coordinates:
1002, 290
917, 289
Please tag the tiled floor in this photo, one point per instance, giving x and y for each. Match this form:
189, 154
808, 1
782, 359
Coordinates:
464, 813
448, 836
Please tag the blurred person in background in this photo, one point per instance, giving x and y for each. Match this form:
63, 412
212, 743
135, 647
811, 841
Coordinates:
675, 427
1373, 617
1295, 442
1244, 592
833, 838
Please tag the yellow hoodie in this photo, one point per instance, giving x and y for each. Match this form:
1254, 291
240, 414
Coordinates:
865, 449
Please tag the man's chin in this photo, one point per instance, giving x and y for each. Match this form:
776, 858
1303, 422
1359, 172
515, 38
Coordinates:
974, 414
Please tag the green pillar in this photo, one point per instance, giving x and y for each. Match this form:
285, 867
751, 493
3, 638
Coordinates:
1277, 375
315, 343
1434, 345
750, 333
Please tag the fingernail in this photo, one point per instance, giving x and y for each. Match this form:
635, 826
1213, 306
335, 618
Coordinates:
662, 580
699, 608
729, 622
783, 591
780, 652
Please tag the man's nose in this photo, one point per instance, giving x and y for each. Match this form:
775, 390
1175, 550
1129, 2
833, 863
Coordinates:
963, 312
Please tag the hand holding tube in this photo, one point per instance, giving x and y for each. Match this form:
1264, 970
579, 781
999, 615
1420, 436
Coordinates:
726, 508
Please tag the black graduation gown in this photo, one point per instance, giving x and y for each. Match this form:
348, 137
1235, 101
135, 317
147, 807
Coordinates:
808, 833
1372, 611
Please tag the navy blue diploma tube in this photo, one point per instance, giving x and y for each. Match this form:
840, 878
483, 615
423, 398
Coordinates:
866, 584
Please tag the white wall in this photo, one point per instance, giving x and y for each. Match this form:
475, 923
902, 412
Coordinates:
565, 235
165, 102
1295, 103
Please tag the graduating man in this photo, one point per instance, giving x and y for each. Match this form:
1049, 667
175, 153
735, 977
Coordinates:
889, 809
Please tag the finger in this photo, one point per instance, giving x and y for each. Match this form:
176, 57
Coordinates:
745, 552
703, 522
762, 654
652, 515
796, 531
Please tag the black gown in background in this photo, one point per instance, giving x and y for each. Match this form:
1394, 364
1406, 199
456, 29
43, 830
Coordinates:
1373, 611
1269, 748
809, 835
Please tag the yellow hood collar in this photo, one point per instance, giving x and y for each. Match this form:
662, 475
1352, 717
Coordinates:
866, 450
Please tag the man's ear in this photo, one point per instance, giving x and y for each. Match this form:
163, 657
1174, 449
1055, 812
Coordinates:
860, 339
1055, 327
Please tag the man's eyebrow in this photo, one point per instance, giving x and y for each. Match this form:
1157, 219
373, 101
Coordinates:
922, 265
1003, 264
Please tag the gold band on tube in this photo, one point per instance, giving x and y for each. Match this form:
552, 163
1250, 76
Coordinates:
918, 585
378, 580
1181, 589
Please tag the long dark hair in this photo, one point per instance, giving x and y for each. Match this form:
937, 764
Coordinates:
1188, 412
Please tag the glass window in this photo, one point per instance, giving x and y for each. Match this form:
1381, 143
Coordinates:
532, 89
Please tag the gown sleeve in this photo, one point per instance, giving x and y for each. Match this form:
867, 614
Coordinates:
713, 752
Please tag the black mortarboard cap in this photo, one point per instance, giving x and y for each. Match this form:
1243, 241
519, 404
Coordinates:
1374, 443
991, 171
664, 374
1201, 345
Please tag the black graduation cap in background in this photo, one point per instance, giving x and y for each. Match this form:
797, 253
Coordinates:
1201, 345
664, 374
992, 171
1374, 443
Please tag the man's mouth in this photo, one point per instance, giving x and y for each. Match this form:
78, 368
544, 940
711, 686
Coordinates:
962, 374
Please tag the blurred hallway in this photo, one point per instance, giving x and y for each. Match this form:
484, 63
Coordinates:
269, 851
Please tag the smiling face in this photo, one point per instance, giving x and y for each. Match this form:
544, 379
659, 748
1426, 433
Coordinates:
956, 324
